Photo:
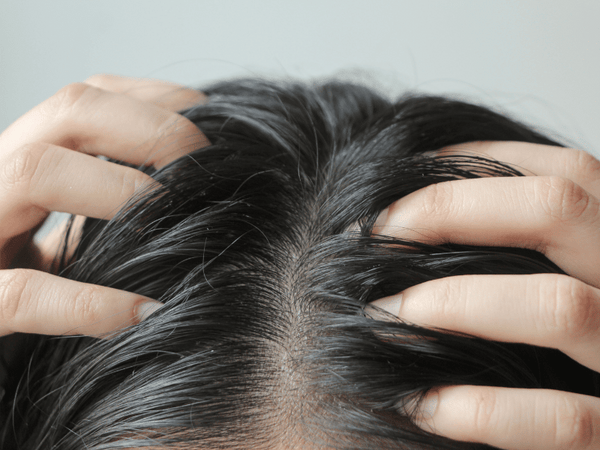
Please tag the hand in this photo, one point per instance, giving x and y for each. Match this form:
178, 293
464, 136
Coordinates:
48, 163
557, 213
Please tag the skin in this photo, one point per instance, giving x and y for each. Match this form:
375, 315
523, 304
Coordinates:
48, 163
554, 210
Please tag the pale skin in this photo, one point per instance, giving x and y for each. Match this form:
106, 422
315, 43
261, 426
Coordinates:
556, 212
47, 164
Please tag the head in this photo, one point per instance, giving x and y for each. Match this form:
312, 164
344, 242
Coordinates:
262, 248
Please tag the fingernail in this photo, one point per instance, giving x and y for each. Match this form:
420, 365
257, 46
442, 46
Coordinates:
424, 414
381, 220
144, 310
390, 304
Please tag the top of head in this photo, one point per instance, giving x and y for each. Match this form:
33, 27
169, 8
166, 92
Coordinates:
261, 247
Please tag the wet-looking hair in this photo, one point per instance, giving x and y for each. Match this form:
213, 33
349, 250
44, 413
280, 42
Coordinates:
261, 248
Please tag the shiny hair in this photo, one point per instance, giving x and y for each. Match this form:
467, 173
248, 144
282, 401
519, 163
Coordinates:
262, 248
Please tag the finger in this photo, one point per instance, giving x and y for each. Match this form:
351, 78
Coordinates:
538, 159
516, 419
549, 214
37, 302
43, 177
91, 120
173, 97
546, 310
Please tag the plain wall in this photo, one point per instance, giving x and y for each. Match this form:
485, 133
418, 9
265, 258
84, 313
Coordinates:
535, 59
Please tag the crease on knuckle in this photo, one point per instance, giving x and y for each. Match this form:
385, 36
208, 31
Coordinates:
570, 309
565, 201
447, 298
482, 407
13, 298
67, 98
436, 202
86, 305
574, 425
21, 167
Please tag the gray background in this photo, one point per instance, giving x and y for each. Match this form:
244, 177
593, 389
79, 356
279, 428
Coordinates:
535, 59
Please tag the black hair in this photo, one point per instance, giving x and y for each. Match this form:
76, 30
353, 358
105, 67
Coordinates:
262, 248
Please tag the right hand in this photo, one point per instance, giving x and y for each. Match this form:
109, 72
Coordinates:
48, 163
557, 213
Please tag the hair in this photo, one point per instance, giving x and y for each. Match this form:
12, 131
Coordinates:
262, 248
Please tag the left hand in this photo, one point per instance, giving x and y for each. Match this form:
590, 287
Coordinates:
557, 213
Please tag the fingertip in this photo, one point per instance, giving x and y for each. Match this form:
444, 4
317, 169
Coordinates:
390, 304
177, 140
426, 409
145, 309
421, 410
381, 221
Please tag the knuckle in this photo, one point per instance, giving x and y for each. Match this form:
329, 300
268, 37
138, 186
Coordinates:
437, 200
22, 166
85, 306
448, 295
69, 96
563, 200
482, 406
570, 310
13, 298
574, 425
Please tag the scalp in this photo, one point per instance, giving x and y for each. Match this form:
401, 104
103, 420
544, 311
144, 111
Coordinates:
261, 248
